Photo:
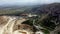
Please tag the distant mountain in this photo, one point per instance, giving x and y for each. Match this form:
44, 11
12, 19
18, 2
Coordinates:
55, 7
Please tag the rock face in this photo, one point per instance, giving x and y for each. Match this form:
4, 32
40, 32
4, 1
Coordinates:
12, 25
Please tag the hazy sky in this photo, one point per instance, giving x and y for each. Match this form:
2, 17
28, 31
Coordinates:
2, 2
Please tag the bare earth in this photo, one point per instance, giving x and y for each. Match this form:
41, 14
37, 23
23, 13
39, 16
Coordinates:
8, 25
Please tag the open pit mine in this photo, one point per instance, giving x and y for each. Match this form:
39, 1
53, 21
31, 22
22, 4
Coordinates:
12, 25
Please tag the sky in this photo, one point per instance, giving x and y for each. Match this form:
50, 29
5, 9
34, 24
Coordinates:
3, 2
